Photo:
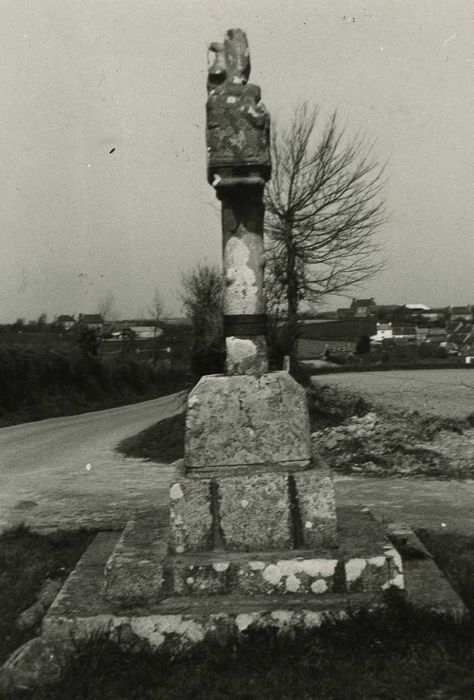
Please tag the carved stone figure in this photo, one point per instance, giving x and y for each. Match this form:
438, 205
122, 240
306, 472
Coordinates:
238, 126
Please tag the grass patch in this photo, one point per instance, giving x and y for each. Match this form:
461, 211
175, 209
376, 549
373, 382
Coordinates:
27, 559
398, 653
162, 442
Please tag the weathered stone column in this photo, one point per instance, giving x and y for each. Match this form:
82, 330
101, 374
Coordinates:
238, 166
244, 298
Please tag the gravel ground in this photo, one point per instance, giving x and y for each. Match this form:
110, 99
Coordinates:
390, 443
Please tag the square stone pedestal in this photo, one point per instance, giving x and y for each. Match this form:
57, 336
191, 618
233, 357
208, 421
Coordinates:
191, 595
236, 424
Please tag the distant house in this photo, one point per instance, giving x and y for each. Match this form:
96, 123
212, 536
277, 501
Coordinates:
404, 333
345, 313
363, 307
94, 321
146, 332
384, 332
65, 321
461, 313
386, 311
417, 308
436, 335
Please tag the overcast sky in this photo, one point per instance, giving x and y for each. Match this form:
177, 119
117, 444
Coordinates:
82, 77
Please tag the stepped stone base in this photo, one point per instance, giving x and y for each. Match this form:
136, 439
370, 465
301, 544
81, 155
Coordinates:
82, 609
238, 423
364, 562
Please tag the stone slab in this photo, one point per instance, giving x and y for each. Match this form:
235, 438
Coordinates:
254, 512
190, 515
246, 421
371, 568
316, 504
134, 571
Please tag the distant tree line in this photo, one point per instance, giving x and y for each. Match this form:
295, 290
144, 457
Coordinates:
36, 382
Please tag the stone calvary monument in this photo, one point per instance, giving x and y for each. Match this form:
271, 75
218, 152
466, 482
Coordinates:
253, 512
251, 535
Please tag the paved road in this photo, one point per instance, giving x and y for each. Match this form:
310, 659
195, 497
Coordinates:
64, 472
447, 393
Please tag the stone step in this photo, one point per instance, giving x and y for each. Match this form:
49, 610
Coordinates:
140, 569
82, 611
284, 572
134, 570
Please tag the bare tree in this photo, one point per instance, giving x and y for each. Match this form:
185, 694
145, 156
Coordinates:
157, 307
106, 306
323, 206
156, 310
202, 299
